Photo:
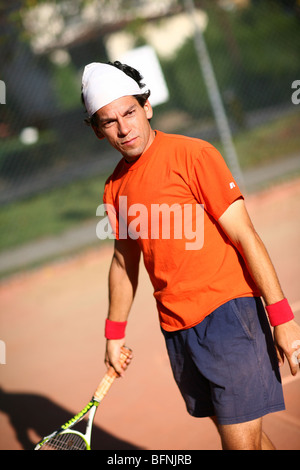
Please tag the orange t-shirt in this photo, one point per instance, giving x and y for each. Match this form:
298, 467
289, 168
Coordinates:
169, 200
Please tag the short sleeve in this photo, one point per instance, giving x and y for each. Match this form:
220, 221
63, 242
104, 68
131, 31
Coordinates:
212, 182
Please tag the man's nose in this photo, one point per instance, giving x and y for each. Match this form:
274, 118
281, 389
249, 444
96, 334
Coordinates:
123, 127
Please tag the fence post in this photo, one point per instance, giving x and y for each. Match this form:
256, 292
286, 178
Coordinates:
2, 352
2, 92
215, 97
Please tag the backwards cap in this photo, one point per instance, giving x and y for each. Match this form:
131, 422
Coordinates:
104, 83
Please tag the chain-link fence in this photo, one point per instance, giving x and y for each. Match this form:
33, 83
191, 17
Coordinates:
45, 146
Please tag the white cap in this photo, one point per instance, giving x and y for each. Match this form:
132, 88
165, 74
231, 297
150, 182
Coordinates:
104, 83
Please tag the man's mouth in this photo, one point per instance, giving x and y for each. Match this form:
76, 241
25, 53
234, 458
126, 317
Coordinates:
129, 142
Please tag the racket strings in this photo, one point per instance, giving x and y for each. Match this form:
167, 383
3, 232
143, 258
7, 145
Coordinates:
65, 441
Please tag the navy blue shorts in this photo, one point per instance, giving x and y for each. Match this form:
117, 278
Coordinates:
226, 366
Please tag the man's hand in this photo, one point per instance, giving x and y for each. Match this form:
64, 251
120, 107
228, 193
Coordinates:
112, 355
287, 343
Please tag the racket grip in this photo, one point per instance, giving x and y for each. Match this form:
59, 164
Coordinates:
110, 376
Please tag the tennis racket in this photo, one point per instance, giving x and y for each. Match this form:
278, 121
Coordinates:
67, 438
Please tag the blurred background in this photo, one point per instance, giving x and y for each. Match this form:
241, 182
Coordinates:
52, 167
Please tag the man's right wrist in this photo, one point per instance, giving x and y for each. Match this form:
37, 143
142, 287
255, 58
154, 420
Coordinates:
115, 329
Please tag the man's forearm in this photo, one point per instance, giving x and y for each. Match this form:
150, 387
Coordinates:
123, 280
238, 227
122, 288
261, 268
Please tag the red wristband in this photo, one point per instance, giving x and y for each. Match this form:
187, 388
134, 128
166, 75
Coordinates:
115, 329
280, 312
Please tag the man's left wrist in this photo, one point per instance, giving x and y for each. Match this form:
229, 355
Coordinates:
279, 313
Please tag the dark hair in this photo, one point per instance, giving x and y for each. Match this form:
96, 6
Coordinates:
135, 75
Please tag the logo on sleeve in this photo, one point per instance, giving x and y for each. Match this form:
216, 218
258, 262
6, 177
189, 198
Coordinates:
232, 185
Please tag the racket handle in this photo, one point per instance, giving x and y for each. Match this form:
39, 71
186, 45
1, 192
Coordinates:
110, 376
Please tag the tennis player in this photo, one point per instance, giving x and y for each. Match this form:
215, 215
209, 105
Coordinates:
209, 273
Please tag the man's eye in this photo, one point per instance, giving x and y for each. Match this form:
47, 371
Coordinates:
108, 123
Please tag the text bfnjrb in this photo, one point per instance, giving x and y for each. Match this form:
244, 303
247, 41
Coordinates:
154, 459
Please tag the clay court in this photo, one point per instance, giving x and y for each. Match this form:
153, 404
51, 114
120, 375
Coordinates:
52, 321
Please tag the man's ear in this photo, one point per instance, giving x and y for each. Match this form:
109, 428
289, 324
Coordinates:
148, 110
98, 132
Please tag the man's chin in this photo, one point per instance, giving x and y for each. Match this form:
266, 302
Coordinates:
131, 155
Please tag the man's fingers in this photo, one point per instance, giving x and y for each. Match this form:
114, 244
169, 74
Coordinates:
294, 357
115, 363
294, 368
112, 357
280, 355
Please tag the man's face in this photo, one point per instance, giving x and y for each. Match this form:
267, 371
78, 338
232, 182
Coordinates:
124, 123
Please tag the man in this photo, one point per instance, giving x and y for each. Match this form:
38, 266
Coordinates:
206, 263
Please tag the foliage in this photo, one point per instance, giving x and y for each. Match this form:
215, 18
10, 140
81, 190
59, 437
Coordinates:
255, 54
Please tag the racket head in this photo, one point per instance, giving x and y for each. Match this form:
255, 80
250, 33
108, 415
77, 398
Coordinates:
67, 438
64, 440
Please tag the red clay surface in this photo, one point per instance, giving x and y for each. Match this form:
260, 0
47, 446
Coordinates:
52, 324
